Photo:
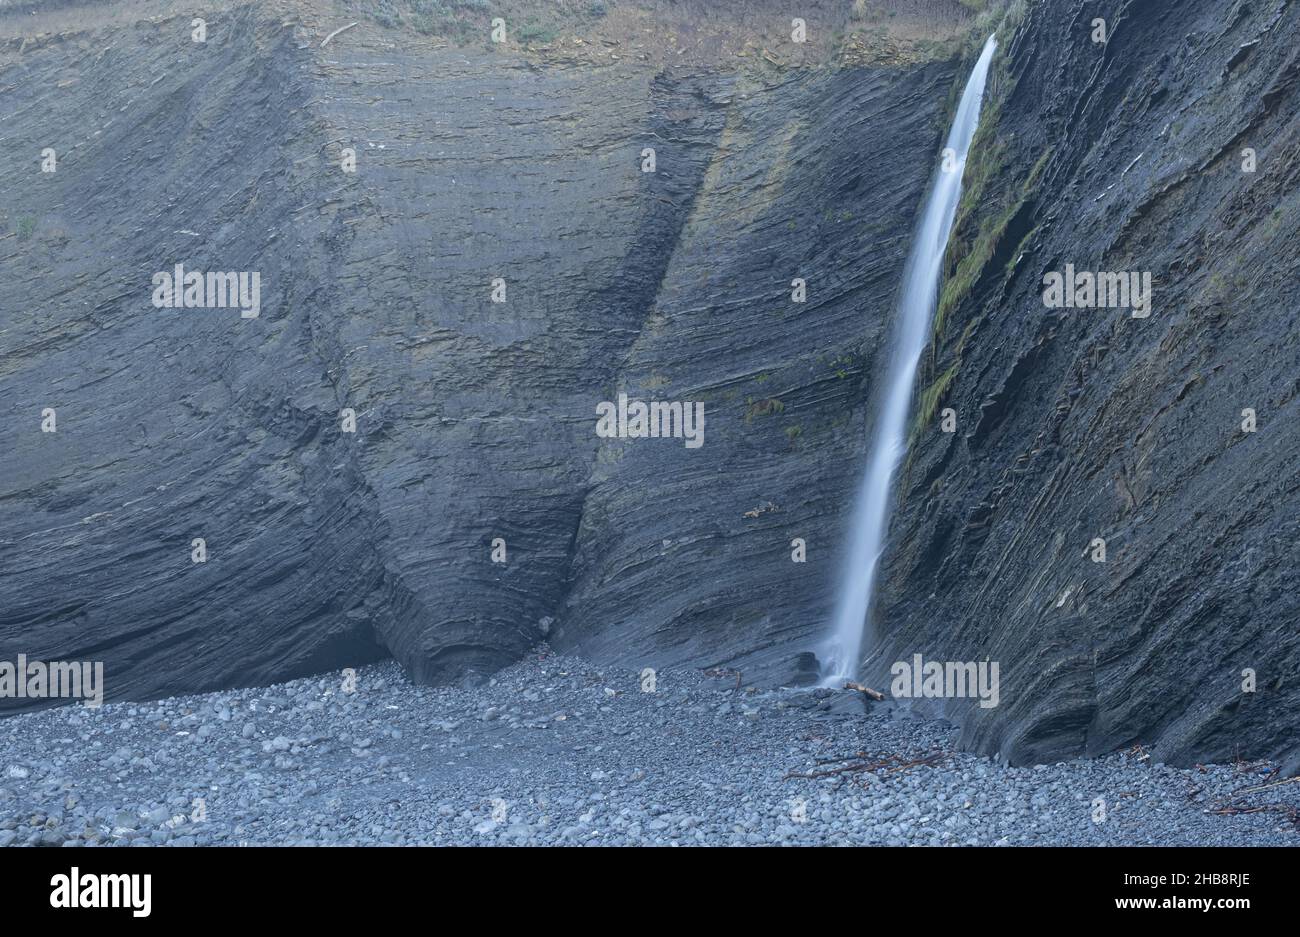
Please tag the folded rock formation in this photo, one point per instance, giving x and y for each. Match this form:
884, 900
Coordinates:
516, 173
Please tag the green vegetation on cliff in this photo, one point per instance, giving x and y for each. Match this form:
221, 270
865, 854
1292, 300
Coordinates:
991, 198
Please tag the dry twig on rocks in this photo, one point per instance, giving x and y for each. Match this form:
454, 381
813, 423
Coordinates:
723, 672
887, 765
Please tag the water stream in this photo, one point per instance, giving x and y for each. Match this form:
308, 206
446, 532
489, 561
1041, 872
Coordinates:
841, 653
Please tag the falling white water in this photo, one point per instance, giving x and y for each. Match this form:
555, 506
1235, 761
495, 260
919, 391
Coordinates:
840, 654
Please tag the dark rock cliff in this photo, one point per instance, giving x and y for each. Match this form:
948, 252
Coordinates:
174, 424
1079, 424
476, 420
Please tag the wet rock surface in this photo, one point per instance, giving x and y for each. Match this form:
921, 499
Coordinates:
1086, 423
555, 751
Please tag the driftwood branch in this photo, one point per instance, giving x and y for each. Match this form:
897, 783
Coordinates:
335, 33
887, 765
724, 672
1232, 806
1256, 790
874, 694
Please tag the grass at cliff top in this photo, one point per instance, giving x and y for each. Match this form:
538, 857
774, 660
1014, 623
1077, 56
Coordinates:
691, 32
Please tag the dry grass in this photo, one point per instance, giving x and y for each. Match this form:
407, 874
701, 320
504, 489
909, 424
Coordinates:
750, 34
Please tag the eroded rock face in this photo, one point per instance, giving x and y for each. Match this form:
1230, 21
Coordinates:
694, 548
175, 424
1076, 424
475, 420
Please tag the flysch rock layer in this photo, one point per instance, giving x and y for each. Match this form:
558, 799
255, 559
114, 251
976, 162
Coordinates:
1079, 424
476, 420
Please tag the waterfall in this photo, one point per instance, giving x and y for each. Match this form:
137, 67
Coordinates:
839, 655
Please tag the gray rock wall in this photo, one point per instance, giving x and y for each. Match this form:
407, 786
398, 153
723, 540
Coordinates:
475, 420
1075, 424
174, 424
